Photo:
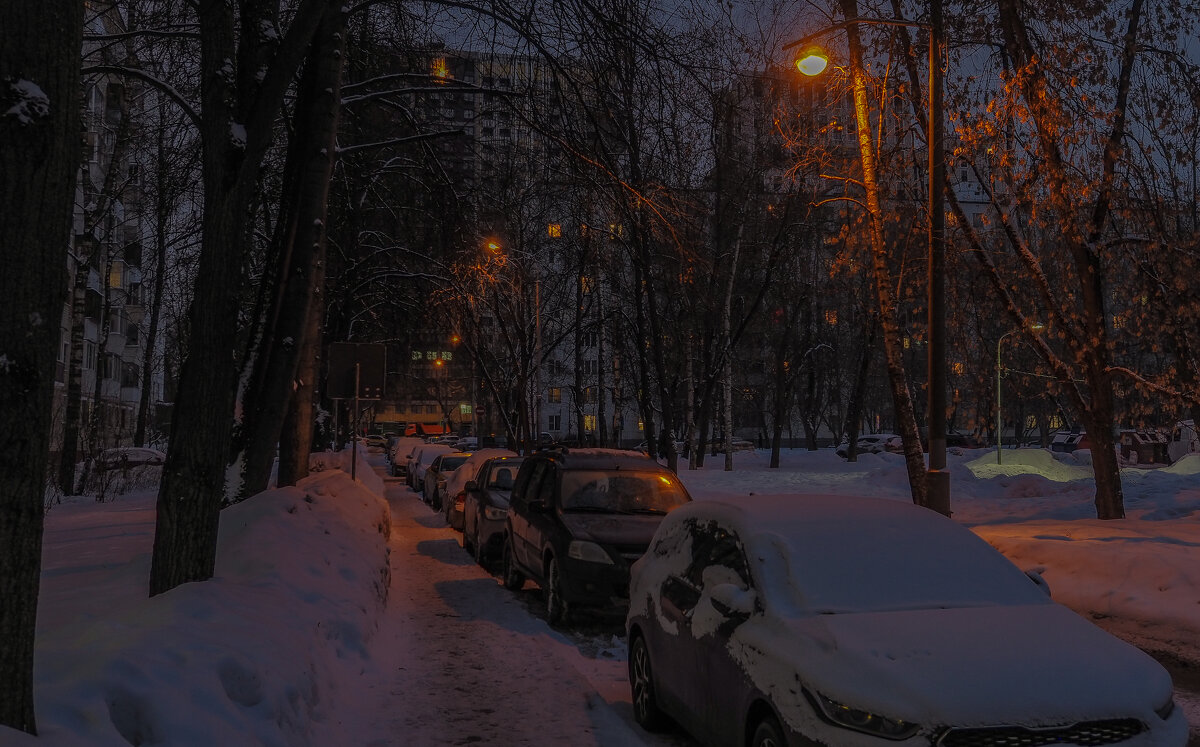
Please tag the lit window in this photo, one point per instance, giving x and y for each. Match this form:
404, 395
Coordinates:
438, 68
1119, 321
555, 395
431, 355
907, 343
554, 230
589, 423
957, 368
831, 316
641, 426
416, 355
587, 283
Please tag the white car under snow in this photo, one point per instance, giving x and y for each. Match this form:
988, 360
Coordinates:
845, 621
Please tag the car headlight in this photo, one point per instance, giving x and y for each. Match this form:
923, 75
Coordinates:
495, 514
588, 551
855, 719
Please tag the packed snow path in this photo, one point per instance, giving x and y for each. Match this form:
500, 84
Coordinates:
470, 664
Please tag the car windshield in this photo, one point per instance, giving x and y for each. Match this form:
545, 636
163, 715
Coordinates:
863, 563
451, 463
621, 492
502, 475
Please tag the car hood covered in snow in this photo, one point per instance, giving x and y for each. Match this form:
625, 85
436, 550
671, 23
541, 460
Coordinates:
1029, 665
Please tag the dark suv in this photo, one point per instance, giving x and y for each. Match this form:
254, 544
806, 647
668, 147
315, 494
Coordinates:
578, 519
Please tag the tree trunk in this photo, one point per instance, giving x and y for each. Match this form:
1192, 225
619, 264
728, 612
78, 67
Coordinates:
301, 229
906, 422
237, 129
39, 129
73, 411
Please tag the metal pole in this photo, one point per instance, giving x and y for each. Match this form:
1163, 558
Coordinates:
999, 422
354, 439
938, 479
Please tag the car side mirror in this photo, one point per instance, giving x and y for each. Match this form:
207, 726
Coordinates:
471, 486
732, 601
1035, 575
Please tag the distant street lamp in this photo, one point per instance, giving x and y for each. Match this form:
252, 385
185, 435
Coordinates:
812, 62
999, 370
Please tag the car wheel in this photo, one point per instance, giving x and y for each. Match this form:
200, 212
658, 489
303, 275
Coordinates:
435, 500
467, 544
768, 733
556, 606
641, 686
511, 577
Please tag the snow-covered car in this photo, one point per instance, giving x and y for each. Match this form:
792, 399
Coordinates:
419, 463
454, 486
398, 454
435, 478
788, 620
874, 443
578, 518
485, 503
127, 457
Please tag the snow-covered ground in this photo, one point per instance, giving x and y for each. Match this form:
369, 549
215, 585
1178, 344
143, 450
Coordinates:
292, 644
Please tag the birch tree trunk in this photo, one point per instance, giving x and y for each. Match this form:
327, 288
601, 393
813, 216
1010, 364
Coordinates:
906, 422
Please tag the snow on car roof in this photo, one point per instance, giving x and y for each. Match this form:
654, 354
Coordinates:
837, 554
457, 480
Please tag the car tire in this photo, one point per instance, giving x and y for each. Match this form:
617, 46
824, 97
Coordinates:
510, 576
641, 687
467, 544
768, 733
557, 610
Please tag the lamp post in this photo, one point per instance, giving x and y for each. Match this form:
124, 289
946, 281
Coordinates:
937, 480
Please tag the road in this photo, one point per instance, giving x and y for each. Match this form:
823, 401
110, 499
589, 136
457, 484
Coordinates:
473, 663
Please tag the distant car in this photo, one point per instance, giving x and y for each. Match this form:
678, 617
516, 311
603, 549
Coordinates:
578, 519
435, 477
835, 620
874, 443
375, 441
485, 506
127, 457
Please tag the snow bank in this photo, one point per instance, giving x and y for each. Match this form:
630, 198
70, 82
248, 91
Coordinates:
249, 657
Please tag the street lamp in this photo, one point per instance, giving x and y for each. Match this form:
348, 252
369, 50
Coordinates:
812, 62
999, 370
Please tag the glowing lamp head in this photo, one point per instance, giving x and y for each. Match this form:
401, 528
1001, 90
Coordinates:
812, 61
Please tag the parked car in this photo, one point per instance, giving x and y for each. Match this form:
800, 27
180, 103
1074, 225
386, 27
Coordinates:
796, 620
435, 476
873, 443
419, 463
399, 453
578, 519
127, 457
375, 441
485, 506
455, 488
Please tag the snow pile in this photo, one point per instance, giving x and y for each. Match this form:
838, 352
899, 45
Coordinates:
250, 657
